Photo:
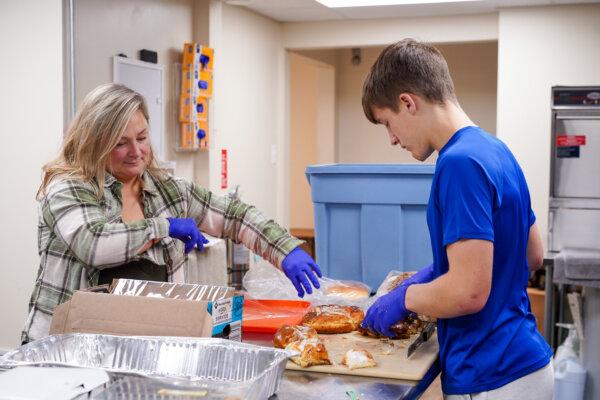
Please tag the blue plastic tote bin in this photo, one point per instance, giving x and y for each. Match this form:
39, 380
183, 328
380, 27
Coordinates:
370, 219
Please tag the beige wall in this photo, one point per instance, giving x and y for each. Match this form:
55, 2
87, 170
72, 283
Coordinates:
474, 70
248, 105
539, 48
473, 67
312, 130
32, 112
104, 28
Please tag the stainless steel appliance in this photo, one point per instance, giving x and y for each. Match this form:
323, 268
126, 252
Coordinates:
574, 218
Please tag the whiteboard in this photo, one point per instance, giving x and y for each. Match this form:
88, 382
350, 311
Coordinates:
148, 80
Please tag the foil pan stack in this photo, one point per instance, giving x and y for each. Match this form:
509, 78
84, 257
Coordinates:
218, 366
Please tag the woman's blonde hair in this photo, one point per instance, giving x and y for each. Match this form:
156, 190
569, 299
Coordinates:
94, 133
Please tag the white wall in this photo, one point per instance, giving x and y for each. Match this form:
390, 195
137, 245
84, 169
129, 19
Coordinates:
248, 105
105, 28
31, 125
539, 48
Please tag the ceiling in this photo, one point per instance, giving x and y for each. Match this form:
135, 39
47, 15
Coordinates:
310, 10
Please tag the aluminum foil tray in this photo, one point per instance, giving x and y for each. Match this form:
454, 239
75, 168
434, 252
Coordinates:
217, 365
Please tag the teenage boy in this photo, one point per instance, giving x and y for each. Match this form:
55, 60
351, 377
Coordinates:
483, 233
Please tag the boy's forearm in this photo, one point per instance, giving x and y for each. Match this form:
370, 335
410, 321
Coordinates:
442, 298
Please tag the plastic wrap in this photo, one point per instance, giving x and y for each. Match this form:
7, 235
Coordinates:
263, 281
392, 280
184, 291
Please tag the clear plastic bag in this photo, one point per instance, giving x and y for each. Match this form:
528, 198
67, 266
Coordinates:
341, 292
392, 281
263, 281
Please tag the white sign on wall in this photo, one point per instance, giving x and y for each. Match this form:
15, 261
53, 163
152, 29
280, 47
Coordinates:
147, 79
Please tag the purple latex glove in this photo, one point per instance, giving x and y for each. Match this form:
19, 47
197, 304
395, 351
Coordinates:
390, 308
185, 229
300, 268
386, 311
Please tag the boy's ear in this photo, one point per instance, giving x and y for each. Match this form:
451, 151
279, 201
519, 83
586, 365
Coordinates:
408, 102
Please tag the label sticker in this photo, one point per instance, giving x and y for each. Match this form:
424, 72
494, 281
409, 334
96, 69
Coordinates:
227, 317
221, 311
567, 152
570, 140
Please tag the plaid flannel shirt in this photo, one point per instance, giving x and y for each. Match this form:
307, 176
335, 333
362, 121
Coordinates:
78, 235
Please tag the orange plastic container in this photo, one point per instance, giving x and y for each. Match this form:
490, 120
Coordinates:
266, 316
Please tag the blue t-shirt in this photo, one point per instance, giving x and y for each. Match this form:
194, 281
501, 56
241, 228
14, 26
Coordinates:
479, 192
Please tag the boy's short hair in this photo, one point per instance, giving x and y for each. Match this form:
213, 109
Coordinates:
406, 66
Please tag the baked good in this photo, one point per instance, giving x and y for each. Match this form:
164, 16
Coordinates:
292, 333
350, 290
358, 358
333, 318
393, 281
402, 329
312, 352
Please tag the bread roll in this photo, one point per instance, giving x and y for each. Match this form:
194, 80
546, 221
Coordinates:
358, 358
349, 290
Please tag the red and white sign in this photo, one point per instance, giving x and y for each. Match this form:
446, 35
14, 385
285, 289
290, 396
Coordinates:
223, 168
570, 140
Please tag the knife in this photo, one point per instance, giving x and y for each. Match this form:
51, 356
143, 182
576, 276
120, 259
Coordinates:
424, 336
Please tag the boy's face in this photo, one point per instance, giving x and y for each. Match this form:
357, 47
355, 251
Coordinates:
404, 129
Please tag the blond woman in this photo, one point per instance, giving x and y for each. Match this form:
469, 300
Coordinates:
106, 210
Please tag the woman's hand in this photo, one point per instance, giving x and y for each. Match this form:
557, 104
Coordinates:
301, 269
185, 229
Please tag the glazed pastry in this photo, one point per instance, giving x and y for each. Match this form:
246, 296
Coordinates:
402, 329
312, 352
292, 333
334, 318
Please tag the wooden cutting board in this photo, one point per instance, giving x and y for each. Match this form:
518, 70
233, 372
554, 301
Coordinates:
394, 365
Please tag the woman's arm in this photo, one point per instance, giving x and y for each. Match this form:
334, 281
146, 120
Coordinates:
73, 212
223, 217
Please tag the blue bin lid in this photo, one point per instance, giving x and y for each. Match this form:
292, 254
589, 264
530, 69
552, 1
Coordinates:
370, 169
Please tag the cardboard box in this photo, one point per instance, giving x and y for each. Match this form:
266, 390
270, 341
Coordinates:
187, 109
191, 52
153, 309
205, 84
202, 108
187, 133
207, 53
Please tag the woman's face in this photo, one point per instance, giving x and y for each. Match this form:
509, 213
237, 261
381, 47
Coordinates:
130, 156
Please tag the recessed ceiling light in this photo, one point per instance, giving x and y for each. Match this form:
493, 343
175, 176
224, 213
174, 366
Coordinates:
373, 3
